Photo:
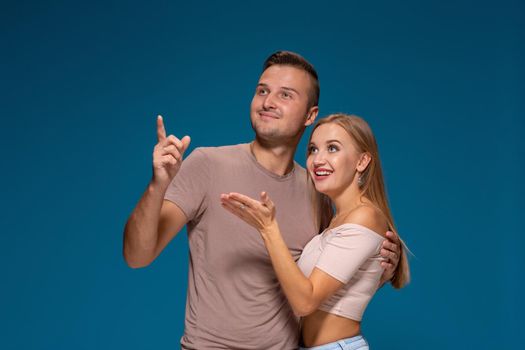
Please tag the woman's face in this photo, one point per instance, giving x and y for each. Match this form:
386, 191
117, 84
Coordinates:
333, 159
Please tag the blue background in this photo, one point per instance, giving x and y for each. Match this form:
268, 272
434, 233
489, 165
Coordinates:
441, 83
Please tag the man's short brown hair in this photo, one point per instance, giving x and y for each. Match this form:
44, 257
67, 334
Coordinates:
288, 58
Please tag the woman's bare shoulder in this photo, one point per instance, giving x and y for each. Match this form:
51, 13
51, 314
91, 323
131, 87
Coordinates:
369, 217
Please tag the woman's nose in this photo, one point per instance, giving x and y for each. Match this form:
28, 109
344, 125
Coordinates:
319, 159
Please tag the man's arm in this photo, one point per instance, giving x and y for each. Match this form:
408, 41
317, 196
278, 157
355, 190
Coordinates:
155, 221
150, 228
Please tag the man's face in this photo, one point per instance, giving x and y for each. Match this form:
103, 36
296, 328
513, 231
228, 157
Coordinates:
279, 109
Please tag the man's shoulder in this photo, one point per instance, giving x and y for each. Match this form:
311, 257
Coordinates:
220, 154
241, 147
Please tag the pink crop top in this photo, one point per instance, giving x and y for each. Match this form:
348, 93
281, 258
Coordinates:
350, 254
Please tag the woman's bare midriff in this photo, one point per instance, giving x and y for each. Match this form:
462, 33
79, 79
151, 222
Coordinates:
322, 327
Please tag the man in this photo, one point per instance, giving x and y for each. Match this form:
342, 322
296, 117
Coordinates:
234, 300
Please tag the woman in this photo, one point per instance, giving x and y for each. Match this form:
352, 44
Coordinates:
339, 269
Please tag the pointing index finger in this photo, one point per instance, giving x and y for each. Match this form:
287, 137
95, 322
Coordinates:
161, 131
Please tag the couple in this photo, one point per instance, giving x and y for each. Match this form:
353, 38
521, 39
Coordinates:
244, 292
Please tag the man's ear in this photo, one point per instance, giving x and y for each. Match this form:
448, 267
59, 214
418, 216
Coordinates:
363, 162
311, 115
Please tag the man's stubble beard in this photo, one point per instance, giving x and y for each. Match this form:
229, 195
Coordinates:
273, 135
266, 132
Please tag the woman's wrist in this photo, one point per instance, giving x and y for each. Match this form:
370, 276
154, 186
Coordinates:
271, 231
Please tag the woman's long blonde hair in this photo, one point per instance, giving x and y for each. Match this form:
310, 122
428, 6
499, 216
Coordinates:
371, 184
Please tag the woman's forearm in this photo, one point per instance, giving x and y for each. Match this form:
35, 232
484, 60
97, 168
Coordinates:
297, 288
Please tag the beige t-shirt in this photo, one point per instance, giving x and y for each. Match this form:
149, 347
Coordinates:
234, 300
349, 253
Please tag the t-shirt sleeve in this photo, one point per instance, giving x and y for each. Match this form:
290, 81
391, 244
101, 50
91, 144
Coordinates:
188, 190
346, 250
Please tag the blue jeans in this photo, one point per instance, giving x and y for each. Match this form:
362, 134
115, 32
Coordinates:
354, 343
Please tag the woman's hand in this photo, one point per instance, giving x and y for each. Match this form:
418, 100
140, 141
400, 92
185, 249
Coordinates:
259, 214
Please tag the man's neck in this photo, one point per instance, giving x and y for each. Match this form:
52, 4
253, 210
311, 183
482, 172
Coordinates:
276, 158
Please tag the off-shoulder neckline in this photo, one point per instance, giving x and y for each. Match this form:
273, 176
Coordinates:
366, 229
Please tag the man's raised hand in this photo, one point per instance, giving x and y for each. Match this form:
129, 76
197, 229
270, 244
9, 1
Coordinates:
167, 154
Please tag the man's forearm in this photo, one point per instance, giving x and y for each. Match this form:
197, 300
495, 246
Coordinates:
141, 231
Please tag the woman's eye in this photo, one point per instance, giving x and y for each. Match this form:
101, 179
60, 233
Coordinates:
312, 149
332, 148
